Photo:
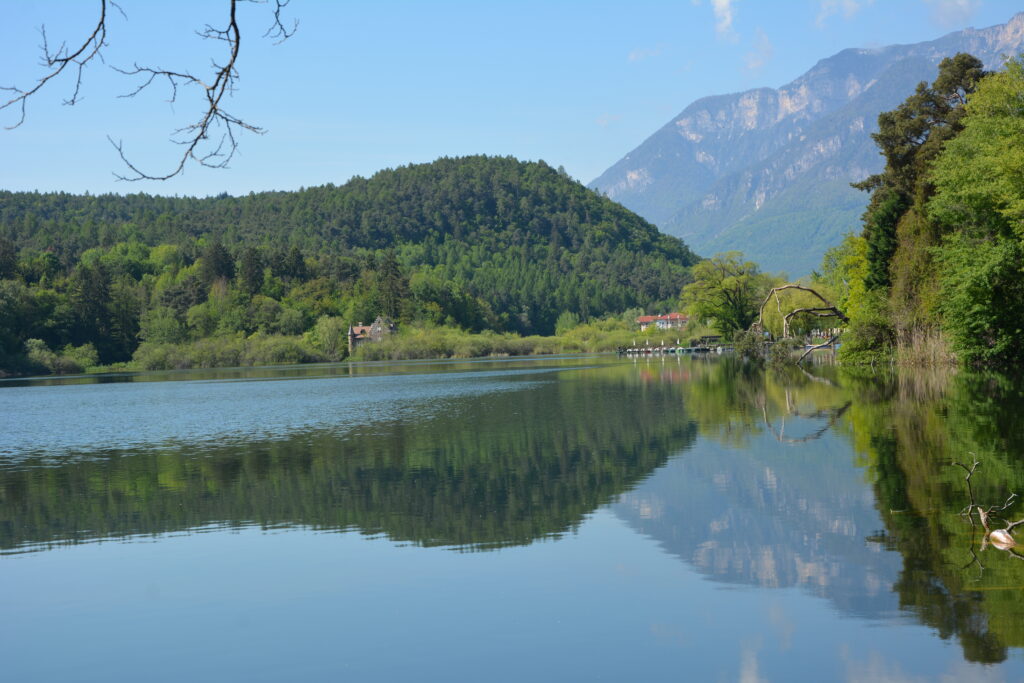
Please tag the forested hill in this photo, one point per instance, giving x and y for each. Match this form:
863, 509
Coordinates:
487, 201
476, 242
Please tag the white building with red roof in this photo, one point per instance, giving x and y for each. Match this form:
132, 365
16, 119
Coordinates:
668, 321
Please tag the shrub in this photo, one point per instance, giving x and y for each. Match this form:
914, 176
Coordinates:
870, 338
749, 345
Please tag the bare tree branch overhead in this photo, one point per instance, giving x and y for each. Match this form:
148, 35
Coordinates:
56, 62
211, 139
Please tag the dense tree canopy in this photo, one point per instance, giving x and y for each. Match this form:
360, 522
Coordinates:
478, 243
726, 290
944, 232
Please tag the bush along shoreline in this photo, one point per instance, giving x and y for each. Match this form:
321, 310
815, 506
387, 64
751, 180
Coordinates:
327, 342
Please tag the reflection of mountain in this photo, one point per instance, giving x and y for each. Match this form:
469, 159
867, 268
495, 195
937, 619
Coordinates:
771, 516
499, 468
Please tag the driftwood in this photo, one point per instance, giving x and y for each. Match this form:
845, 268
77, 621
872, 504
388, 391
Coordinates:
826, 311
1001, 538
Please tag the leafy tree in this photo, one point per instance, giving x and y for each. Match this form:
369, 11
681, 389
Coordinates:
880, 235
216, 263
90, 297
566, 321
330, 335
983, 297
391, 284
910, 137
250, 271
727, 291
161, 325
979, 177
8, 259
843, 274
294, 265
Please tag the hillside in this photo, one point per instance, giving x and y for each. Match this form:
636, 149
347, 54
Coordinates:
475, 242
767, 171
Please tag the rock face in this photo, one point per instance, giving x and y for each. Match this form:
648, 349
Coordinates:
768, 171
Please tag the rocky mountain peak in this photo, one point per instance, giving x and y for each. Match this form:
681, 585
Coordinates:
767, 171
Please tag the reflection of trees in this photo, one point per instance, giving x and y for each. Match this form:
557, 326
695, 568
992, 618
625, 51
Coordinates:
504, 468
911, 428
906, 428
731, 400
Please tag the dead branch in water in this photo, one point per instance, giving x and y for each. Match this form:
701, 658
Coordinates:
1001, 538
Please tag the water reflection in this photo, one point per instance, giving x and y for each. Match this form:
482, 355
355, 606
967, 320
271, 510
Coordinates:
909, 431
834, 482
497, 464
767, 497
770, 497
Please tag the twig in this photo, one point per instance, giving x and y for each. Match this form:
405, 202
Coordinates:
60, 60
211, 140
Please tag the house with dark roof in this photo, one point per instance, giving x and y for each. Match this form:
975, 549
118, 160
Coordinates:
375, 332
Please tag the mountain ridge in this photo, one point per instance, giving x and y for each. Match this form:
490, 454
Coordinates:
718, 174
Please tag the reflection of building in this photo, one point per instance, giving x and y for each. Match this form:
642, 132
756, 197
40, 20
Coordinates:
669, 321
360, 334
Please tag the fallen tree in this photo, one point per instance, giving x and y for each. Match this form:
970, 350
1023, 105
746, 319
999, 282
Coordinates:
825, 311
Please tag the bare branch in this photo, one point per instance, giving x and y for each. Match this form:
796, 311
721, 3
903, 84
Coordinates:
278, 32
775, 292
60, 60
998, 538
826, 311
211, 140
193, 137
833, 415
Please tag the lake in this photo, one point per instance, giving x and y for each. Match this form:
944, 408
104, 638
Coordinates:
562, 519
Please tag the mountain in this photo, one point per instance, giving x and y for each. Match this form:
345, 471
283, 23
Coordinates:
520, 240
767, 171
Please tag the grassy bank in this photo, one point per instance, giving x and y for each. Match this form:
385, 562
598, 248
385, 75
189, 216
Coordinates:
412, 342
445, 342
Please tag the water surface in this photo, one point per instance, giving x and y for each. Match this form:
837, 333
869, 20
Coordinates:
555, 519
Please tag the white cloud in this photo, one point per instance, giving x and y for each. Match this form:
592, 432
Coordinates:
848, 8
762, 51
724, 15
953, 13
605, 120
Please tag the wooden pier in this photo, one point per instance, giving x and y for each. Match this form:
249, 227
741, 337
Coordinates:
671, 350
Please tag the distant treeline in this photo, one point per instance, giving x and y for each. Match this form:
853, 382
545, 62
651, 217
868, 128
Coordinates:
478, 243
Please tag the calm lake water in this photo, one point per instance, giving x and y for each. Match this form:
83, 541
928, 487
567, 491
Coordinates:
561, 519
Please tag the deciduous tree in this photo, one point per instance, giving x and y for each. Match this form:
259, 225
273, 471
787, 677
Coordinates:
726, 290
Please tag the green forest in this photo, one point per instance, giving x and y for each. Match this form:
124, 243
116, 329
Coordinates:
937, 273
475, 243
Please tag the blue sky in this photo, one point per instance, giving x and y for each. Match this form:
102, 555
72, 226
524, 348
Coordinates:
363, 86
